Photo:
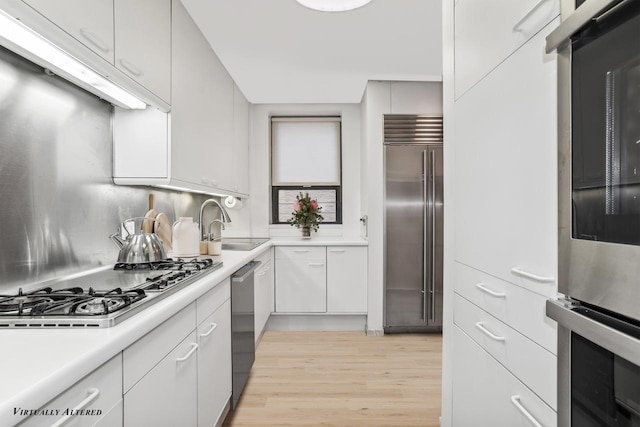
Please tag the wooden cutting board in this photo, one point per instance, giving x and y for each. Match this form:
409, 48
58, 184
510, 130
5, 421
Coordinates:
163, 230
148, 226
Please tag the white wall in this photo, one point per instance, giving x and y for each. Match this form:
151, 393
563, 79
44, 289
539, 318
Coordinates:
259, 164
385, 98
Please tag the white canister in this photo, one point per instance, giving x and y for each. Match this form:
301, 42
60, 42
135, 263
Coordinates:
186, 237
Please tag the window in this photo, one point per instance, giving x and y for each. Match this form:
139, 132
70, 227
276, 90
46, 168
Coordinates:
306, 157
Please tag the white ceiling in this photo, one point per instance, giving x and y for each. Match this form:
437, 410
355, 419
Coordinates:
278, 51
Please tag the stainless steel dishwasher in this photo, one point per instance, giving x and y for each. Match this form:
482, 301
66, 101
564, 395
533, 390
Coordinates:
242, 327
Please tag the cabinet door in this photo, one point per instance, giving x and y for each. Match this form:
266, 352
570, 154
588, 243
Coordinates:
346, 279
88, 21
263, 288
506, 173
214, 365
483, 43
101, 389
301, 280
486, 394
143, 43
167, 395
240, 149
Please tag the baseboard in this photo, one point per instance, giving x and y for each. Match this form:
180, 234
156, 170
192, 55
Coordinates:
375, 332
311, 322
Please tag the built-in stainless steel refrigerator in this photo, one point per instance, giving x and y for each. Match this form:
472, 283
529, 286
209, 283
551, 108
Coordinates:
413, 237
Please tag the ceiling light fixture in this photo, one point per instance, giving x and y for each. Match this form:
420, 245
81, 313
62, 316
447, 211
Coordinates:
22, 40
333, 5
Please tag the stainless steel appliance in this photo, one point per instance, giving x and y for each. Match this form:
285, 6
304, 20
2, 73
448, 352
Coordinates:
413, 227
242, 327
100, 299
598, 46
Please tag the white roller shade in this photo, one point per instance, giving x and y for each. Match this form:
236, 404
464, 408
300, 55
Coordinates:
305, 151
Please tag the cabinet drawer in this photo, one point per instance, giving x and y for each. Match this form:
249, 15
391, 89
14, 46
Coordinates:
100, 390
519, 308
532, 364
301, 252
209, 302
486, 394
141, 357
482, 44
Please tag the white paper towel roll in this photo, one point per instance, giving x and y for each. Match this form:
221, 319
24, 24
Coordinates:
232, 203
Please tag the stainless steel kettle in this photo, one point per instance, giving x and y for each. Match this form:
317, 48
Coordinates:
140, 247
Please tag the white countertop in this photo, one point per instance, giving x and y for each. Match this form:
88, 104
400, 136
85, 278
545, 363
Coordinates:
319, 241
38, 364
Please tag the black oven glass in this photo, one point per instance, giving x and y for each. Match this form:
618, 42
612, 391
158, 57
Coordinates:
605, 388
605, 103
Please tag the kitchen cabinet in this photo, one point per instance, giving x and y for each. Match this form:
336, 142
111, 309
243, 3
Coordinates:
301, 279
90, 22
483, 43
202, 145
214, 353
331, 279
263, 294
160, 374
346, 279
240, 148
506, 173
486, 394
167, 395
180, 373
112, 37
143, 43
100, 390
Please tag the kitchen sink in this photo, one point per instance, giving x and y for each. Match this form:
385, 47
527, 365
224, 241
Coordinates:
242, 244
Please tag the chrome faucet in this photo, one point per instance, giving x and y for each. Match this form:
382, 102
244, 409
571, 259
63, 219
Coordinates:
223, 214
211, 236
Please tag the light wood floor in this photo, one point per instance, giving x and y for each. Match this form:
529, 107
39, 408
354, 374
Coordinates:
342, 379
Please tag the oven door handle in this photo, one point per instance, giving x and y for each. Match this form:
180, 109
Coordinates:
578, 19
617, 342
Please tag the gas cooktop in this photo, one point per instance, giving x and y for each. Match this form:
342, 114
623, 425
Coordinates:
102, 299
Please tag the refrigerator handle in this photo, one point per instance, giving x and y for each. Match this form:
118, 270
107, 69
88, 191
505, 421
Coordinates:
425, 236
432, 210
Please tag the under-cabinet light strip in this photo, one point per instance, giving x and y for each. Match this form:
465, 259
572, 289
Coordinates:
17, 37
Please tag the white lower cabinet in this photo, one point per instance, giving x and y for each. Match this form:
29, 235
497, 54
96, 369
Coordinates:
301, 279
486, 394
167, 395
321, 279
99, 393
346, 279
263, 294
179, 374
214, 365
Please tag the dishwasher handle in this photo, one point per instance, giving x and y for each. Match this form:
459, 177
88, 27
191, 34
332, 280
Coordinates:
246, 271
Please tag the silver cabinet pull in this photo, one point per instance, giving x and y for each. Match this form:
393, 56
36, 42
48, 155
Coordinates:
493, 293
542, 279
213, 327
527, 15
316, 264
130, 67
93, 393
488, 333
194, 346
336, 250
515, 399
301, 251
94, 40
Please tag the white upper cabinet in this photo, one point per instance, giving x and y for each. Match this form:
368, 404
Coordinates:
240, 147
487, 32
126, 41
143, 43
203, 144
88, 21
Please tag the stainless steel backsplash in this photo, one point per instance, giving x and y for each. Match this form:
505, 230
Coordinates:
58, 203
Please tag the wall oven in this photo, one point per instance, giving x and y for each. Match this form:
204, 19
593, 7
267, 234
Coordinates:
598, 45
